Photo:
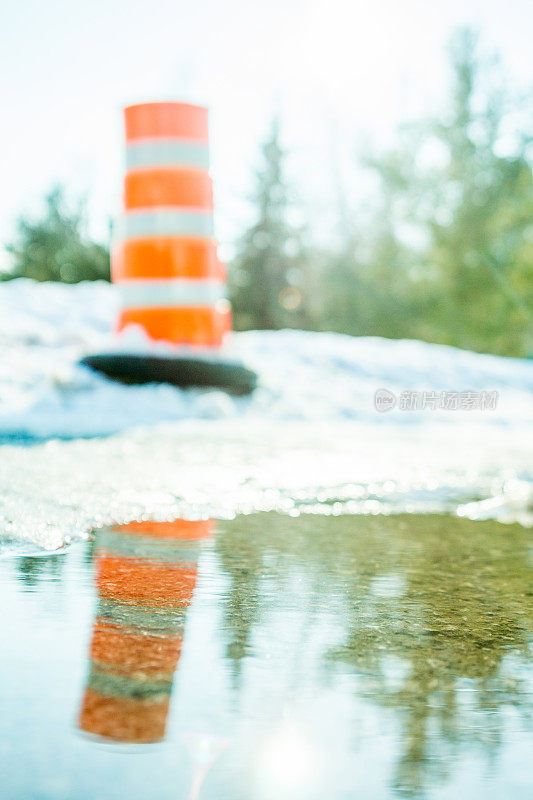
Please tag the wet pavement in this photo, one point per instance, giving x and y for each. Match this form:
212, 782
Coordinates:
271, 657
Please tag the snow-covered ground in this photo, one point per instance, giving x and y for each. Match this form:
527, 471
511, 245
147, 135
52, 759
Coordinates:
44, 393
310, 430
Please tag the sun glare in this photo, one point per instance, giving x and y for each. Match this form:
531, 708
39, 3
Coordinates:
288, 765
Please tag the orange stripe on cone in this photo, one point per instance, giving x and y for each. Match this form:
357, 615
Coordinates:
180, 120
193, 325
131, 653
145, 584
166, 257
124, 719
147, 188
177, 529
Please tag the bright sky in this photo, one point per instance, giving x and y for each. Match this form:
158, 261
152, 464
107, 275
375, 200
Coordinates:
351, 66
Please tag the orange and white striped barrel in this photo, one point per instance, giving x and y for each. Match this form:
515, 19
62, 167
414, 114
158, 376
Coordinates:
145, 576
164, 258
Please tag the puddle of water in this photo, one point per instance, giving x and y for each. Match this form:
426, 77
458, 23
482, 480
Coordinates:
271, 657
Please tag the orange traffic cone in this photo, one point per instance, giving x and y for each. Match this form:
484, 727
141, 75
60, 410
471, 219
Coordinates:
145, 576
164, 259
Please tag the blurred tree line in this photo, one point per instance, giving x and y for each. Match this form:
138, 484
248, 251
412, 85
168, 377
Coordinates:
446, 256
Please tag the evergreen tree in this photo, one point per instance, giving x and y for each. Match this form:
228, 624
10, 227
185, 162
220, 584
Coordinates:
54, 248
460, 211
266, 276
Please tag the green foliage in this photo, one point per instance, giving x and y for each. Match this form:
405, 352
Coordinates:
446, 185
266, 279
54, 249
448, 254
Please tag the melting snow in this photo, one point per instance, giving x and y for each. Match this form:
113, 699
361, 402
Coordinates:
309, 437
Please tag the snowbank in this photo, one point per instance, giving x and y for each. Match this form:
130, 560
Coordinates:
44, 393
309, 438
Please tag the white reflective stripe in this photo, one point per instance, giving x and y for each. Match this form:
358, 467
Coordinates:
167, 153
176, 292
164, 221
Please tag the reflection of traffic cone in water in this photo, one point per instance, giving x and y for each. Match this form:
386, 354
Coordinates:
145, 576
165, 261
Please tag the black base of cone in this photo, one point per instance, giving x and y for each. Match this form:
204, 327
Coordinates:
177, 370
